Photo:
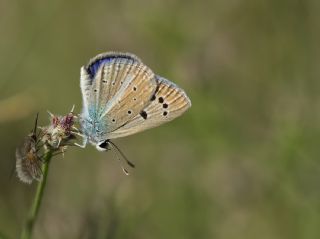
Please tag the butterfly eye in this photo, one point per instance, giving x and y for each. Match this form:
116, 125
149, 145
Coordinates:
103, 145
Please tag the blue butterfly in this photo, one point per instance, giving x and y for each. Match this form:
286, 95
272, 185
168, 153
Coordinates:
122, 96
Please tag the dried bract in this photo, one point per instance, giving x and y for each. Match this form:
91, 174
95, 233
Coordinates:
28, 160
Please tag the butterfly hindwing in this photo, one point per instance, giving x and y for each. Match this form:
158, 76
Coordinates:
138, 87
168, 102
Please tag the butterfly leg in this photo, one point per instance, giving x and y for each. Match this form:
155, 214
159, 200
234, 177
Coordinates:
84, 142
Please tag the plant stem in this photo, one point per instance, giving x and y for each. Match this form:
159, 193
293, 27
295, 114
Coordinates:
33, 213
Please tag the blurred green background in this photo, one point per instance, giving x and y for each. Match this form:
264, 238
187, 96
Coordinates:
243, 162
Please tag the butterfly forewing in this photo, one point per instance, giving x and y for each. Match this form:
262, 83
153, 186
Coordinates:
100, 79
138, 84
168, 102
110, 78
115, 88
85, 85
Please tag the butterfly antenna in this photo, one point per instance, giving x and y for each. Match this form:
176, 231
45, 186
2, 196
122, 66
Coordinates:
125, 171
118, 154
122, 154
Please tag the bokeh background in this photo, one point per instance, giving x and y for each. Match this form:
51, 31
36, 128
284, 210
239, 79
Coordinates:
243, 162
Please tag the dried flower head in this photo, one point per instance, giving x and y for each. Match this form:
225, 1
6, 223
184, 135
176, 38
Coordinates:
55, 138
61, 130
28, 160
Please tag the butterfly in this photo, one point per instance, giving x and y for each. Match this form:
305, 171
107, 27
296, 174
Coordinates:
122, 96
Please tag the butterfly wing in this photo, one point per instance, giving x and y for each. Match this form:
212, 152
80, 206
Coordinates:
100, 78
168, 102
115, 88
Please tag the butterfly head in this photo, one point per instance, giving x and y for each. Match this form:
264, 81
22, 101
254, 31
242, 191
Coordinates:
103, 145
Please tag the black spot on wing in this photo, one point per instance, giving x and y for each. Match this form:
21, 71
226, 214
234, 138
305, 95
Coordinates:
153, 97
144, 114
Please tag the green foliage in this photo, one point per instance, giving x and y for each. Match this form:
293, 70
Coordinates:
241, 163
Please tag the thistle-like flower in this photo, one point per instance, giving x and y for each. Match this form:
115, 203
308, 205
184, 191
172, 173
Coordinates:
61, 130
54, 137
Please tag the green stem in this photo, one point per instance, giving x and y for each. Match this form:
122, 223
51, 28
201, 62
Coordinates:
33, 213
